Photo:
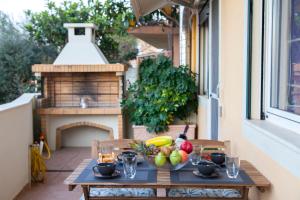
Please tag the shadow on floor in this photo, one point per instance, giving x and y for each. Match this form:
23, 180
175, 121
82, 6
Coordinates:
59, 167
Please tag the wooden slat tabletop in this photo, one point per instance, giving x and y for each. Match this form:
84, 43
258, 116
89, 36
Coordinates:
163, 180
261, 182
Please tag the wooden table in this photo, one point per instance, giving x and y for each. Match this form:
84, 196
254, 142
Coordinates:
164, 182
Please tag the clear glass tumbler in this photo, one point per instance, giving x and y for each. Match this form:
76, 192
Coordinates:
232, 166
129, 165
106, 154
195, 156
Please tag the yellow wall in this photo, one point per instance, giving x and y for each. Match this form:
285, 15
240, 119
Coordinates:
194, 44
284, 184
176, 61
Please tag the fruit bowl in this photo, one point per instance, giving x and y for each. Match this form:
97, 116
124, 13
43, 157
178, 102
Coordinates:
163, 152
167, 165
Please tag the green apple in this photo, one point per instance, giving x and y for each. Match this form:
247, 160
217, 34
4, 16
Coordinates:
160, 159
175, 157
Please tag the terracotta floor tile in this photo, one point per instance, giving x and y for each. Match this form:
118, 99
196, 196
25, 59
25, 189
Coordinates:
53, 187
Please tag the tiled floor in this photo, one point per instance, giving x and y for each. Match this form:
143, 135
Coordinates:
59, 165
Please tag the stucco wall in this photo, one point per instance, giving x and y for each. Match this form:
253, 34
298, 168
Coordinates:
16, 134
285, 185
73, 137
54, 122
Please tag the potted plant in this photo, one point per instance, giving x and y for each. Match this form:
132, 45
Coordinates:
162, 94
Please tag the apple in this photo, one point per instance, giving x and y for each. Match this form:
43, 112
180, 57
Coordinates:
187, 146
184, 156
175, 157
160, 159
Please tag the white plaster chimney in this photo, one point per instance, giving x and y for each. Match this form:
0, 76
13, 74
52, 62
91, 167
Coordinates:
81, 48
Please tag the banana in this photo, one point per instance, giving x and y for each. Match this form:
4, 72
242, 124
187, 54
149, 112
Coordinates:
160, 141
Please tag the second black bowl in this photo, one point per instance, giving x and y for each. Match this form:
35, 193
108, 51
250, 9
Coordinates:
218, 158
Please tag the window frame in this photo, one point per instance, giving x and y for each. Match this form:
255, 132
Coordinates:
203, 64
283, 118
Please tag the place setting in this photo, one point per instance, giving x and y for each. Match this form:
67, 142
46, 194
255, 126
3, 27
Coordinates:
117, 166
211, 168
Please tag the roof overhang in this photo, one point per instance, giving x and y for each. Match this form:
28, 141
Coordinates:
43, 68
157, 36
144, 7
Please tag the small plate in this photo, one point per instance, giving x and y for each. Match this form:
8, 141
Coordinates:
115, 174
213, 175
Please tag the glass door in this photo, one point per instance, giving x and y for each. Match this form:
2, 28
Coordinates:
214, 71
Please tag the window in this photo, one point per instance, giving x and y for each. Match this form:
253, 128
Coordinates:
283, 54
203, 64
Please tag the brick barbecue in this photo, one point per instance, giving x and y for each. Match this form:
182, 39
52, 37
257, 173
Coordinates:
80, 86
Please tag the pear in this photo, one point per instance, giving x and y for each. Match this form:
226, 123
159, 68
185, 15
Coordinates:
175, 157
160, 159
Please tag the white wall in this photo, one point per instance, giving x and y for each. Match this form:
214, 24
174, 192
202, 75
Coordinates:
247, 138
16, 134
55, 122
82, 136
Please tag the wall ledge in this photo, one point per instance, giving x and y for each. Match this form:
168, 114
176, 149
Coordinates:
282, 145
20, 101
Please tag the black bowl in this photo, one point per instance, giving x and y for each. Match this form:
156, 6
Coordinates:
218, 158
105, 169
206, 168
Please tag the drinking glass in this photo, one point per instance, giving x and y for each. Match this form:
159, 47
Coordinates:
106, 149
195, 156
129, 165
106, 154
232, 166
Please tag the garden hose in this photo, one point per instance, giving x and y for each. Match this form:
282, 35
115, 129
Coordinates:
38, 166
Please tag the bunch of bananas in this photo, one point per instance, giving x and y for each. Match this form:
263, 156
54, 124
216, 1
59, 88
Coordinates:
160, 141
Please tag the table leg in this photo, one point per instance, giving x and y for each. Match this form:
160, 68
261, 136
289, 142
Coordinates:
245, 193
86, 192
161, 192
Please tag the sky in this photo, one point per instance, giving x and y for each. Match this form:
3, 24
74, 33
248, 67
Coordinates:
15, 8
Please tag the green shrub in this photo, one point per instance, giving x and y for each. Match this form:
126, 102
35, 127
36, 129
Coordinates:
162, 94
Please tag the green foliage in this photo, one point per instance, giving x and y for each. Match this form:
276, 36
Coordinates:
46, 27
17, 54
162, 94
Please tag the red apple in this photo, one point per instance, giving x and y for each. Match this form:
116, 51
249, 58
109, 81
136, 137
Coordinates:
184, 156
187, 146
